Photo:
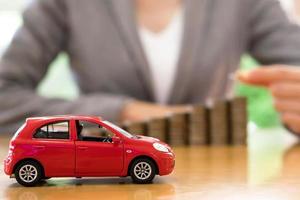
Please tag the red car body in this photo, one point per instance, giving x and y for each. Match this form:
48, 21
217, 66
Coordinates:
75, 158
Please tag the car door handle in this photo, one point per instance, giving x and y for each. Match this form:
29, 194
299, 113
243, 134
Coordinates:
39, 147
82, 148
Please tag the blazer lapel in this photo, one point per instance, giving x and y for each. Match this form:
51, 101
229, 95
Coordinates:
123, 14
193, 28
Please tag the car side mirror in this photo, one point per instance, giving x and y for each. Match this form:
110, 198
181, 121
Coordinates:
116, 140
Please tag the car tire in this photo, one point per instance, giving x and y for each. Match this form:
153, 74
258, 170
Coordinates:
142, 171
29, 173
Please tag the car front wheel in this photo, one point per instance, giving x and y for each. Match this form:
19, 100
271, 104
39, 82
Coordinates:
142, 171
28, 173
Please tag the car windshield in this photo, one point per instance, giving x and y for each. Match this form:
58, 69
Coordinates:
122, 131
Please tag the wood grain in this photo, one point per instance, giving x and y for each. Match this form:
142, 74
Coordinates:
203, 172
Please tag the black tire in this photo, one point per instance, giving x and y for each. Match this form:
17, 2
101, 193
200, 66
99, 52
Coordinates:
28, 169
142, 171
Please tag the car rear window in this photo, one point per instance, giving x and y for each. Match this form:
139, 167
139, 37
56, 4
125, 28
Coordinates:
57, 130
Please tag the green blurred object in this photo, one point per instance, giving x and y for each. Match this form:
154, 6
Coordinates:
60, 83
260, 105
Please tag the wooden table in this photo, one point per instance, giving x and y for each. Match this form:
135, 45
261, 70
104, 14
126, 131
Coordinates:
263, 170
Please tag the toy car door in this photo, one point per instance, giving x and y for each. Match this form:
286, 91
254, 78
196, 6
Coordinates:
96, 154
54, 148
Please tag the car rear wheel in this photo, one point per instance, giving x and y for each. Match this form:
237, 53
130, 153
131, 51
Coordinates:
29, 173
142, 171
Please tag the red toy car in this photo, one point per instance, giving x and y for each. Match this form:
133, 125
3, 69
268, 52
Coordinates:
83, 146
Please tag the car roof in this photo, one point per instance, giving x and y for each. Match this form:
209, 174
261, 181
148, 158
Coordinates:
64, 117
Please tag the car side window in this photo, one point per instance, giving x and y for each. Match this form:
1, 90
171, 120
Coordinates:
57, 130
88, 131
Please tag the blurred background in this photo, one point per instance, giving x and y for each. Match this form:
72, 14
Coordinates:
59, 81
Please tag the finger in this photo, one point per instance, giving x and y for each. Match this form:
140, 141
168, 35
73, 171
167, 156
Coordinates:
267, 75
292, 120
287, 106
286, 90
182, 109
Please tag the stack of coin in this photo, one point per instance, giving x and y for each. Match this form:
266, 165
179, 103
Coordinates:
137, 128
238, 110
178, 129
219, 123
198, 126
158, 128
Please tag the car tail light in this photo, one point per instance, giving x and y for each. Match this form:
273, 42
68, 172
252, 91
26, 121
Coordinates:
11, 148
10, 153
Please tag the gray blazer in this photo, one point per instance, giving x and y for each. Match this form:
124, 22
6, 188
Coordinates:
106, 56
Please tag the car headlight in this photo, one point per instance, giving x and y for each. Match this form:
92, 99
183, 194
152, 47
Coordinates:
160, 147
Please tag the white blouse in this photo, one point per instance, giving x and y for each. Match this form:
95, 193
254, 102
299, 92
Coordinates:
162, 51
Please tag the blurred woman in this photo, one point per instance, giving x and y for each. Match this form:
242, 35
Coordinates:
135, 59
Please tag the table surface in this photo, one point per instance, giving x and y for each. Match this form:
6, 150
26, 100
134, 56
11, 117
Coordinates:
267, 169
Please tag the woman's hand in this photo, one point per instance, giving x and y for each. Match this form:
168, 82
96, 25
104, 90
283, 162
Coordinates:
140, 111
284, 84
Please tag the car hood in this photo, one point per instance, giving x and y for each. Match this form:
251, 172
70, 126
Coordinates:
147, 139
